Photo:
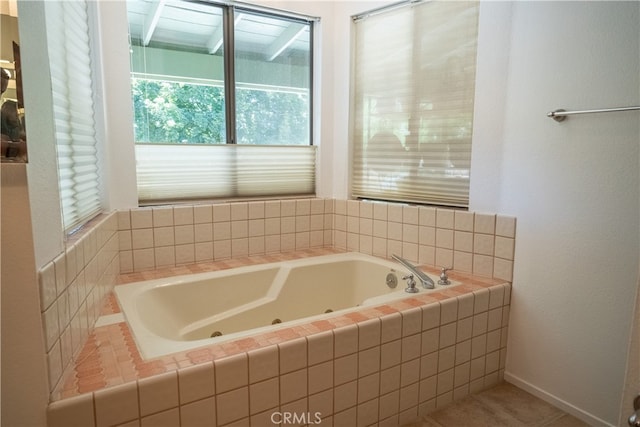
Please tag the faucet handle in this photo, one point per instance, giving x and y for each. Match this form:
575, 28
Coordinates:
411, 284
444, 279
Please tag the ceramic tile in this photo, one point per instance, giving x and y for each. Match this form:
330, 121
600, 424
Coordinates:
505, 226
368, 361
116, 405
73, 412
196, 382
162, 419
232, 405
162, 216
199, 413
345, 396
368, 387
264, 395
390, 354
141, 218
293, 355
320, 377
411, 347
320, 347
231, 372
293, 386
345, 369
367, 412
321, 404
263, 364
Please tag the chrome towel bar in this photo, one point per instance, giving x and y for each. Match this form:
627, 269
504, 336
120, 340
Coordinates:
561, 115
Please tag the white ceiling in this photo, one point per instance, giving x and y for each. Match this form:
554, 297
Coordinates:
197, 26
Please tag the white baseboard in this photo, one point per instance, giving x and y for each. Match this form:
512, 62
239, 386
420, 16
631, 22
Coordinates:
561, 404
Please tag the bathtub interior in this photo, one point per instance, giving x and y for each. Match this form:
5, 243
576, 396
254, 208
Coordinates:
188, 310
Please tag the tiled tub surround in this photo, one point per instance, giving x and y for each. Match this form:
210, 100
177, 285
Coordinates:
180, 239
73, 287
387, 364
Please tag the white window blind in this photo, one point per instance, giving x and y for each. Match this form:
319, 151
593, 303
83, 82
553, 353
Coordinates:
177, 172
72, 86
413, 107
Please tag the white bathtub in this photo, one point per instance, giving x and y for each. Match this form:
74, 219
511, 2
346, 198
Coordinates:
182, 312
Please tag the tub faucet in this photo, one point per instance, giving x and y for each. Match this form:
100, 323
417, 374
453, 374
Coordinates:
425, 280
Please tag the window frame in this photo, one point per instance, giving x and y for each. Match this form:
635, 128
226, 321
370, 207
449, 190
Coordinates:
229, 10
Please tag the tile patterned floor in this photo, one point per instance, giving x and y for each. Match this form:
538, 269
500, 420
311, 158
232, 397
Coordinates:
504, 405
110, 356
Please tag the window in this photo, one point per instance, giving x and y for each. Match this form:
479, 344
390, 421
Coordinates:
72, 86
222, 101
413, 107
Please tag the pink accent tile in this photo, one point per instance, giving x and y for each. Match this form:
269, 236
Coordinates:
110, 356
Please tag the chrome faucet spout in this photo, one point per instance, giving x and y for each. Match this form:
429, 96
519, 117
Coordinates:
425, 280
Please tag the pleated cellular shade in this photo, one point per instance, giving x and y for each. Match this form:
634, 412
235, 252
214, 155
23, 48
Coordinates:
175, 172
414, 76
73, 108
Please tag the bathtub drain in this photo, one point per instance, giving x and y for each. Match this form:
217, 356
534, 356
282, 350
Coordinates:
216, 334
276, 321
328, 310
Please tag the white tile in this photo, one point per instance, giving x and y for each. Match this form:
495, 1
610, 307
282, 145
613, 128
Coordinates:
240, 211
263, 363
231, 372
196, 382
163, 216
504, 247
368, 361
368, 387
199, 413
256, 210
168, 418
233, 405
485, 223
264, 395
54, 364
272, 209
320, 347
380, 211
76, 411
203, 232
185, 254
124, 220
345, 369
47, 283
293, 386
505, 226
411, 321
165, 256
293, 355
391, 327
158, 393
50, 325
141, 218
202, 214
163, 236
183, 215
320, 377
483, 244
303, 207
116, 405
61, 273
345, 396
368, 333
444, 218
222, 213
345, 340
390, 354
463, 221
184, 234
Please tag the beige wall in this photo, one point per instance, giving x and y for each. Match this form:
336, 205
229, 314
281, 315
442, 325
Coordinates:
24, 375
